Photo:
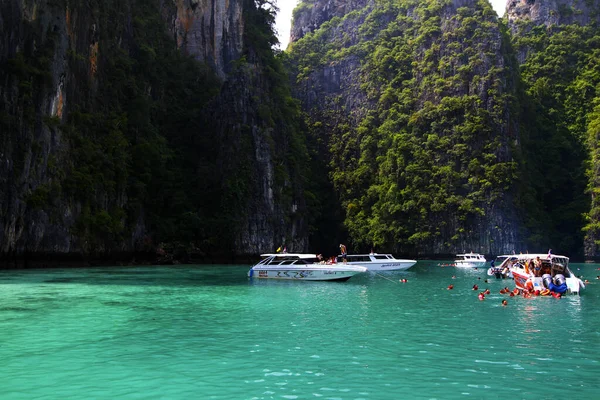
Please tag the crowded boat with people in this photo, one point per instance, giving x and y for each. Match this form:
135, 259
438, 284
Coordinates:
541, 274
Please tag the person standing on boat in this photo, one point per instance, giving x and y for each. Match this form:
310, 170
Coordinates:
344, 252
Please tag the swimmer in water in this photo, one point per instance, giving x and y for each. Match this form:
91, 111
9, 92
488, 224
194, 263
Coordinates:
504, 302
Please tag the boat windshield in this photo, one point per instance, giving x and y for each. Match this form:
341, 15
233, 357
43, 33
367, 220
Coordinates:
288, 260
501, 259
355, 258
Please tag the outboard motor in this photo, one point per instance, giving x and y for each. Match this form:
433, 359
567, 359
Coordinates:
559, 279
547, 278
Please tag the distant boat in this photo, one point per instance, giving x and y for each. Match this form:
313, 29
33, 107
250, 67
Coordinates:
553, 273
377, 262
470, 260
302, 267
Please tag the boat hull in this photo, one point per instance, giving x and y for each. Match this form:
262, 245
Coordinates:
470, 264
388, 266
574, 284
306, 274
376, 261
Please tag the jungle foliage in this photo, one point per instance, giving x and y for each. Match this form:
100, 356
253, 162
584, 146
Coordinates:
561, 79
138, 143
453, 127
151, 142
420, 160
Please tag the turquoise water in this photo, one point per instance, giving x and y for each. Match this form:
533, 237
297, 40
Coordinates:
207, 332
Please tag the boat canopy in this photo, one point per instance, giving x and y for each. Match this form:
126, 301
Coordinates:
523, 258
288, 259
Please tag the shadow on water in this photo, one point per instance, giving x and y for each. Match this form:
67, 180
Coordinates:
187, 275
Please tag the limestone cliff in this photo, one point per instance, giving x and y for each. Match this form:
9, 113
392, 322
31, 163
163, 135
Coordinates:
212, 31
523, 15
104, 156
556, 43
364, 67
552, 12
310, 15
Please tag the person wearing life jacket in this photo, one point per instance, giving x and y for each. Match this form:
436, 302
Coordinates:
529, 286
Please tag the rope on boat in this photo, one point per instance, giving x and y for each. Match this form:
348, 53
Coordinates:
385, 277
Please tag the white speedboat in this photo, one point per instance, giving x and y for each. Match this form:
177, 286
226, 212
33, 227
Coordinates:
546, 273
377, 262
470, 260
302, 267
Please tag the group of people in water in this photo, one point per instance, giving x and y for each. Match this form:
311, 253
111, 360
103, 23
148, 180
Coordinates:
555, 289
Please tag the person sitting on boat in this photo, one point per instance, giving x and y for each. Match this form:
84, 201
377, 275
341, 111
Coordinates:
320, 259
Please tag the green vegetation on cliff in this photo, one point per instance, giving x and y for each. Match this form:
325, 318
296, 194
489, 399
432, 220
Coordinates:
155, 150
561, 77
420, 160
452, 142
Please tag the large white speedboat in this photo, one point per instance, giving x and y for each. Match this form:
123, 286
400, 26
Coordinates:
377, 262
470, 260
543, 272
303, 267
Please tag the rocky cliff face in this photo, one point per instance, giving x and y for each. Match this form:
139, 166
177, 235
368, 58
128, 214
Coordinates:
553, 12
543, 33
211, 31
523, 15
53, 63
310, 15
333, 47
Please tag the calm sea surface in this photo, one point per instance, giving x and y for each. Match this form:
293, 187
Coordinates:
207, 332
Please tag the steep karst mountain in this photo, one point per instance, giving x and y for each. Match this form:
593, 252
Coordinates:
413, 99
172, 131
448, 129
557, 47
129, 128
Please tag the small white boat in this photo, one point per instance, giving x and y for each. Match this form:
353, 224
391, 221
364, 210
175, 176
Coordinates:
302, 267
470, 260
546, 273
377, 262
